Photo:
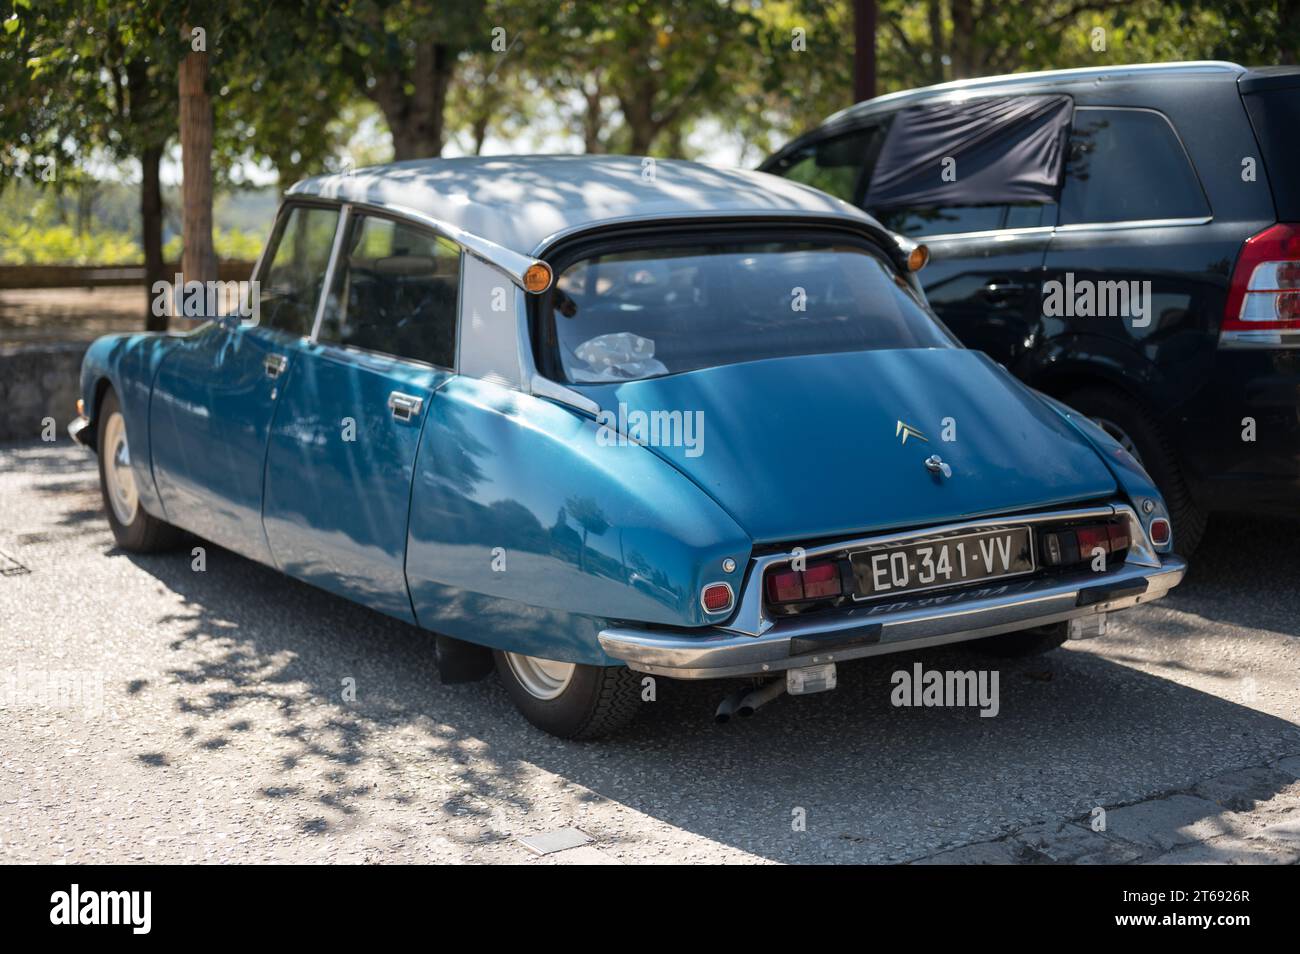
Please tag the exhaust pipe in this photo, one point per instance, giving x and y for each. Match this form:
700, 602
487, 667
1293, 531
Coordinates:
727, 707
760, 696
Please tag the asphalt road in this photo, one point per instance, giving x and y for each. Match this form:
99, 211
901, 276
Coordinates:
222, 732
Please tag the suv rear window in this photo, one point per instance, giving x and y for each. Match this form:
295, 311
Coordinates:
1127, 165
648, 312
1274, 109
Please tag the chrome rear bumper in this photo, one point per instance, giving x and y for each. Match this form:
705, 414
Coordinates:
876, 629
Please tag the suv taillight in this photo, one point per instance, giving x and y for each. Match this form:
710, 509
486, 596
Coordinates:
1264, 294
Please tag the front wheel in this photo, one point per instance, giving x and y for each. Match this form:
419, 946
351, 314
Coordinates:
133, 527
570, 700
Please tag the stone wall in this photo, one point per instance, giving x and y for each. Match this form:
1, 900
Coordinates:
36, 382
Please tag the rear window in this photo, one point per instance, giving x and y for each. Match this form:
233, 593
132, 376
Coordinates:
1127, 165
644, 313
1275, 115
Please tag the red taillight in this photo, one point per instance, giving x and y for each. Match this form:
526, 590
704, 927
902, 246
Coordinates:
821, 581
1264, 294
1090, 538
1118, 534
716, 598
818, 581
1160, 532
785, 587
1066, 547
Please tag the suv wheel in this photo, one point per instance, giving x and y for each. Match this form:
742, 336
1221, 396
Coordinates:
1132, 426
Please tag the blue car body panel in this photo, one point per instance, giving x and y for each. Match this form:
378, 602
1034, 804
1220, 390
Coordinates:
129, 364
528, 533
338, 473
809, 447
212, 408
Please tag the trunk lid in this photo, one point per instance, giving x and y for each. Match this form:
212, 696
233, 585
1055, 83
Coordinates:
813, 446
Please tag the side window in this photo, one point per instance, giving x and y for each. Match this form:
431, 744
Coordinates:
1127, 164
965, 218
395, 292
291, 287
834, 165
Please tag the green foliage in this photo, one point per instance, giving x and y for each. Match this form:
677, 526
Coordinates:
24, 244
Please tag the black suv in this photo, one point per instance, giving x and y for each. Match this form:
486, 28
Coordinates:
1181, 175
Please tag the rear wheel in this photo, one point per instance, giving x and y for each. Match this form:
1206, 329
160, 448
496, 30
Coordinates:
1026, 642
133, 527
570, 700
1137, 432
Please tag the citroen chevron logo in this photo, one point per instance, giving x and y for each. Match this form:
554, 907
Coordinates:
907, 430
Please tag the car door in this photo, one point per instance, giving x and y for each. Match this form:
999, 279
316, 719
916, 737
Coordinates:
985, 271
343, 447
1134, 216
216, 392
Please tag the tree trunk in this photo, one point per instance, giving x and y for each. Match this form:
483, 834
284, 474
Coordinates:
592, 121
416, 119
864, 50
934, 13
151, 224
639, 118
199, 261
963, 39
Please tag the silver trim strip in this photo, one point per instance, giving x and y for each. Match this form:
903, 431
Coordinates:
512, 263
1134, 224
345, 215
906, 625
984, 233
1263, 338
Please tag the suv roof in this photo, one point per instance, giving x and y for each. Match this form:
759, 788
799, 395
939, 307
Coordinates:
1059, 80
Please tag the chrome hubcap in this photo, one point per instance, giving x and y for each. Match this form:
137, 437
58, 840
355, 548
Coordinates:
119, 477
1120, 435
542, 678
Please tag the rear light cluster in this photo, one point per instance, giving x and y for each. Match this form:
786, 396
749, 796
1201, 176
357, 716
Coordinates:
1080, 544
817, 581
1264, 294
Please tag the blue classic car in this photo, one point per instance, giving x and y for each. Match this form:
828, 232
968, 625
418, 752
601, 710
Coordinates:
593, 420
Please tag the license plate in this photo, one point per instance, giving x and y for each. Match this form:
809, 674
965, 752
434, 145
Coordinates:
907, 568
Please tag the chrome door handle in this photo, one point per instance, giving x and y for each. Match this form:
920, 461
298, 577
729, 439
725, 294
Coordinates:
274, 365
404, 406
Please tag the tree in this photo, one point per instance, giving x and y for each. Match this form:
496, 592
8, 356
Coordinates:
402, 54
199, 258
87, 77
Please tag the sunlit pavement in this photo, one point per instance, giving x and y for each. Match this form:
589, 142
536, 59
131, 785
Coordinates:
223, 734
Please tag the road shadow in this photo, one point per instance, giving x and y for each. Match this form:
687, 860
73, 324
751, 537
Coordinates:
251, 649
1075, 730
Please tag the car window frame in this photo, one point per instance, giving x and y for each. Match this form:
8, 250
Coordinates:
357, 211
860, 180
544, 339
1120, 224
262, 267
